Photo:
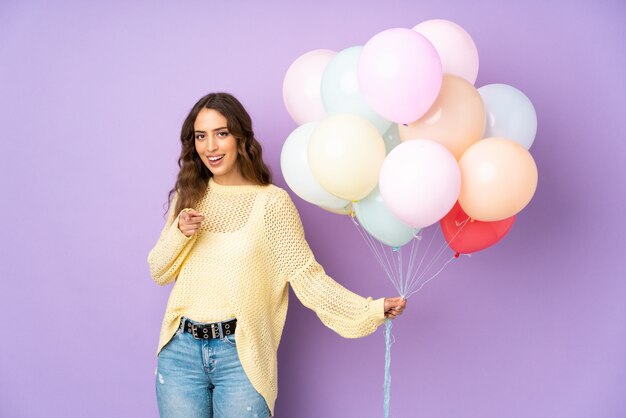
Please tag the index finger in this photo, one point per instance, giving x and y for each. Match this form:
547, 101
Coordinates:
196, 214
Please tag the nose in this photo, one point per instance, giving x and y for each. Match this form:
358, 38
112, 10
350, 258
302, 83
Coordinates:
212, 144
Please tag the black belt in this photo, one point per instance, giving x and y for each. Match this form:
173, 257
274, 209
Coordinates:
208, 331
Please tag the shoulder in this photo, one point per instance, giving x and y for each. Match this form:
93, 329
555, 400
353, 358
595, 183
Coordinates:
279, 201
277, 195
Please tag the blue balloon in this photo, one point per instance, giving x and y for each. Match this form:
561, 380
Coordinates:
340, 89
510, 114
379, 222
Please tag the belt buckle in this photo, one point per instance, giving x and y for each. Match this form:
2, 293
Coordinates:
215, 331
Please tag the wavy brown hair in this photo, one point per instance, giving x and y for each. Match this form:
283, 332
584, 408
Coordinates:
193, 176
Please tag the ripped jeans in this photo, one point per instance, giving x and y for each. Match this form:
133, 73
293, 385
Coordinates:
205, 379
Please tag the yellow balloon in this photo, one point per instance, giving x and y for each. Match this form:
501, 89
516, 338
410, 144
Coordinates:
456, 120
345, 155
498, 179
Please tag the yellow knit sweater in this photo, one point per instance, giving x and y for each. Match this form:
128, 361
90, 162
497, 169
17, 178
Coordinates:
250, 246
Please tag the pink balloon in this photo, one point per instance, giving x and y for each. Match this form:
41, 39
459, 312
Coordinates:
420, 182
301, 86
399, 74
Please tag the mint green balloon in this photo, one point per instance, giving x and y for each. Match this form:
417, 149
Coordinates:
340, 89
379, 222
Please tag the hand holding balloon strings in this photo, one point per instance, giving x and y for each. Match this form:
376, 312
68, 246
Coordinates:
394, 307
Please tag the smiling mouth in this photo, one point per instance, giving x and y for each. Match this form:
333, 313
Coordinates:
215, 159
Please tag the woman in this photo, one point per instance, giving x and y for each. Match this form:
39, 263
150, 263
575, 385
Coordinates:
232, 242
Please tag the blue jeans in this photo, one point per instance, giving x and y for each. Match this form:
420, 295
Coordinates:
204, 379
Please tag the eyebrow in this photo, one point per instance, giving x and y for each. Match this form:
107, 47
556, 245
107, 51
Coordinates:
214, 130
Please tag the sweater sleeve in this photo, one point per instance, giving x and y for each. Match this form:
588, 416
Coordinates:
345, 312
167, 256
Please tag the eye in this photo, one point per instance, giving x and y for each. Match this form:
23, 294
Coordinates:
199, 137
222, 134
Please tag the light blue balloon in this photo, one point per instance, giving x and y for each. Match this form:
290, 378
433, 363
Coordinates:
392, 138
379, 222
340, 89
510, 114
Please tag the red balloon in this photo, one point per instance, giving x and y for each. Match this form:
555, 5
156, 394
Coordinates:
465, 235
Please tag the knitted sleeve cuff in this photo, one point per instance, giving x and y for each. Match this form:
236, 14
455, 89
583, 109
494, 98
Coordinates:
376, 310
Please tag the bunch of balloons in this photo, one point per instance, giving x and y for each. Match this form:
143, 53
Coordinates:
395, 133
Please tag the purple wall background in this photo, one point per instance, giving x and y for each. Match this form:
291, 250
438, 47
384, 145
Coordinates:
91, 100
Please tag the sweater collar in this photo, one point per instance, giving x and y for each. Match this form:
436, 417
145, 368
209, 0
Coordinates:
218, 188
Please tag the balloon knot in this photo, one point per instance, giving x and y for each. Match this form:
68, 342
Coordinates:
457, 255
395, 249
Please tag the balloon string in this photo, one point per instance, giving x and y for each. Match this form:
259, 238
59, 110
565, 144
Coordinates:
387, 384
370, 245
416, 282
435, 275
390, 263
400, 271
432, 261
414, 252
404, 283
415, 272
381, 256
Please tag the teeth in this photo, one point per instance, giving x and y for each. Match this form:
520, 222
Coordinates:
215, 158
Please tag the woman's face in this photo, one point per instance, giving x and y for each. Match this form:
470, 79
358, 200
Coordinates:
217, 147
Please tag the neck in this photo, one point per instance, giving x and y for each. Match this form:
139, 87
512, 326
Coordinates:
235, 179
